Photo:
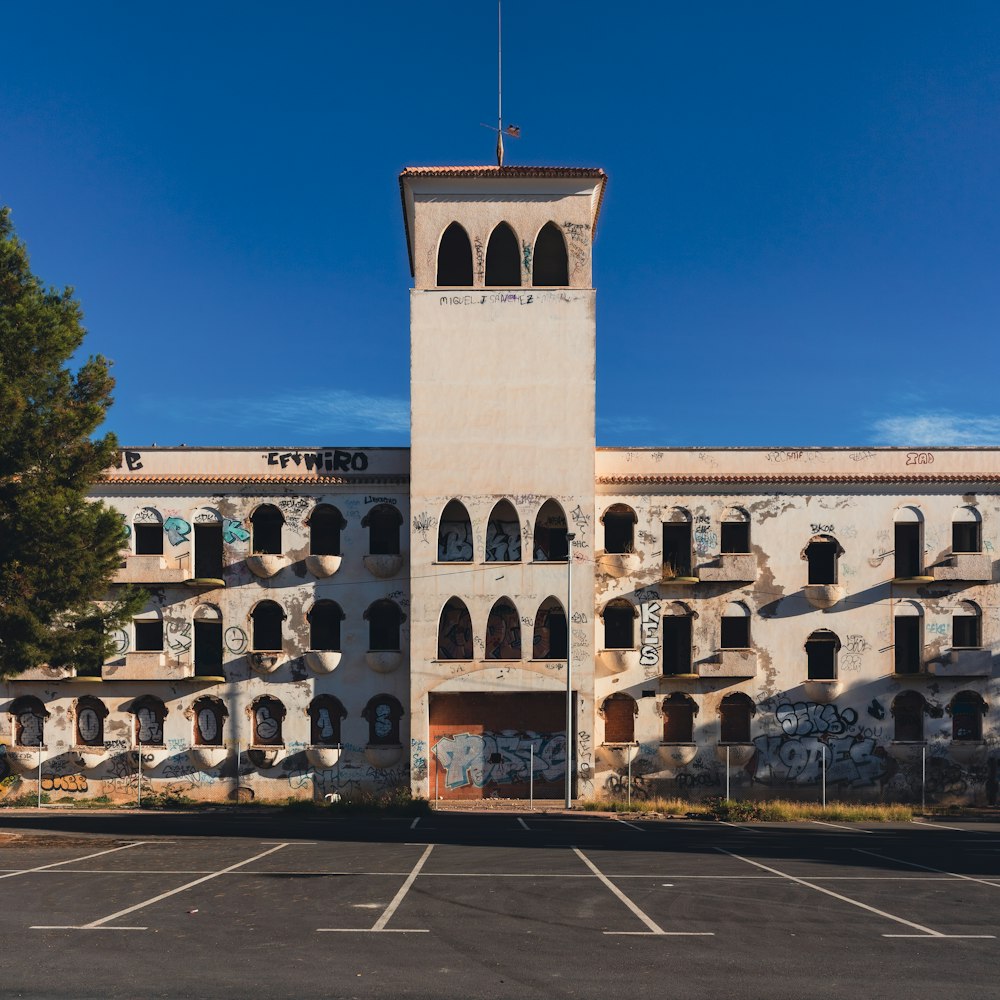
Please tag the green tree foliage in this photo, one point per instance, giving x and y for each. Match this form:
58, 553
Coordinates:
58, 550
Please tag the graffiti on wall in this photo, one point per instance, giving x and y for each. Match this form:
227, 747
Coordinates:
503, 541
455, 541
177, 529
854, 761
328, 460
503, 633
233, 531
64, 783
455, 632
503, 758
649, 633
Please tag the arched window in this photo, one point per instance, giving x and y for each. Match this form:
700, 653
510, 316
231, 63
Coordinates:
503, 258
550, 534
550, 263
967, 710
149, 713
324, 625
147, 629
268, 717
966, 530
619, 711
266, 619
677, 544
325, 525
325, 715
503, 632
676, 622
908, 709
90, 714
908, 642
29, 721
734, 626
454, 263
147, 532
455, 631
384, 619
550, 631
383, 713
383, 523
207, 641
503, 534
209, 721
207, 544
265, 534
734, 531
821, 655
735, 713
822, 554
909, 552
619, 528
619, 618
455, 533
679, 711
967, 626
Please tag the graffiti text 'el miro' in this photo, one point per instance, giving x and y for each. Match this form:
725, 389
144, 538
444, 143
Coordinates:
330, 460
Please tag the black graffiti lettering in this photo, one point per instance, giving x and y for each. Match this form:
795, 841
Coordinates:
133, 460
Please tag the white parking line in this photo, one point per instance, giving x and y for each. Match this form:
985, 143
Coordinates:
625, 822
654, 928
413, 825
927, 868
839, 826
925, 932
736, 826
99, 925
939, 826
69, 861
523, 824
390, 909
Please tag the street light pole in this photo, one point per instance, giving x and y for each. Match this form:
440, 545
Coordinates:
569, 669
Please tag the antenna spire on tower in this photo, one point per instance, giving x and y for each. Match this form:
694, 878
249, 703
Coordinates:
499, 86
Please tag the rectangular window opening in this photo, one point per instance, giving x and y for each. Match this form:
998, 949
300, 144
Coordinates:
208, 648
208, 551
148, 636
909, 561
735, 633
676, 644
966, 537
735, 536
148, 539
677, 549
908, 647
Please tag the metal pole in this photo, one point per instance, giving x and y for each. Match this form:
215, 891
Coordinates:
629, 755
923, 779
531, 777
239, 760
727, 772
138, 786
569, 669
822, 758
39, 775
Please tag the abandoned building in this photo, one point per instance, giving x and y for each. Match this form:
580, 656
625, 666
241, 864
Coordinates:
757, 622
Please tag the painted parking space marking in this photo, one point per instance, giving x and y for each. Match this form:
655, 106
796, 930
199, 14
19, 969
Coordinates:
654, 928
102, 923
839, 826
413, 825
70, 861
625, 822
938, 826
928, 868
524, 825
380, 924
925, 932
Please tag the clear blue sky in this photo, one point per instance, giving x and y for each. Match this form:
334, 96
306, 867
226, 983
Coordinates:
799, 243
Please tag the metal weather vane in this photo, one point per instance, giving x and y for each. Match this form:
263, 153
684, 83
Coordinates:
513, 131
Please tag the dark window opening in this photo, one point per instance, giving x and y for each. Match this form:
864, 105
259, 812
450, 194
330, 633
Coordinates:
503, 632
267, 618
550, 543
909, 645
735, 632
678, 719
908, 713
383, 523
207, 648
735, 713
148, 539
209, 719
266, 523
325, 526
966, 631
822, 558
619, 719
383, 714
734, 536
90, 716
455, 534
619, 529
821, 656
550, 633
384, 619
966, 536
967, 711
503, 534
268, 719
324, 626
454, 263
503, 258
676, 550
676, 644
455, 631
149, 716
619, 625
148, 636
29, 722
208, 551
550, 265
909, 558
325, 715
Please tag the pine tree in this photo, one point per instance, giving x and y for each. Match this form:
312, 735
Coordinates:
58, 550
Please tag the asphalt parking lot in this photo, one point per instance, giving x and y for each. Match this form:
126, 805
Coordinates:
494, 905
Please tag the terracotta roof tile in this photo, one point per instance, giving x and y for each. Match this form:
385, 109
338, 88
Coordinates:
236, 479
791, 479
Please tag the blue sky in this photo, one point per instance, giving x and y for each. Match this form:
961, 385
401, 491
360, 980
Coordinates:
799, 243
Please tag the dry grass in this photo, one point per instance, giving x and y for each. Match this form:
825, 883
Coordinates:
774, 811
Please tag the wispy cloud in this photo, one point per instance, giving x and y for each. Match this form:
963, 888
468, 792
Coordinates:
939, 428
625, 424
